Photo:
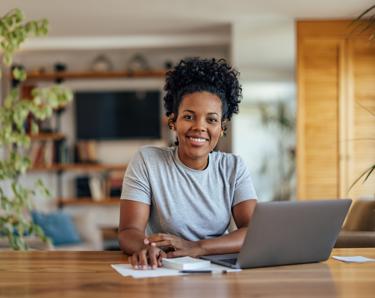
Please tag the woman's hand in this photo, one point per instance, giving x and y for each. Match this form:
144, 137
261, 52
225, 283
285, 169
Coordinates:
175, 246
150, 256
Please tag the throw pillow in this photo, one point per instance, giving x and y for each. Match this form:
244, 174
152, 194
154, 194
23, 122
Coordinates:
58, 226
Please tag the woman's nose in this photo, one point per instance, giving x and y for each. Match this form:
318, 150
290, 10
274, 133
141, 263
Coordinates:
199, 125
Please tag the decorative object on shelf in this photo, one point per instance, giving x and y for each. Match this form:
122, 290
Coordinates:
16, 200
138, 62
168, 64
59, 67
101, 64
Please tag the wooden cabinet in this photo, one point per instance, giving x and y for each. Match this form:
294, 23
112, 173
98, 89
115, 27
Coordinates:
336, 110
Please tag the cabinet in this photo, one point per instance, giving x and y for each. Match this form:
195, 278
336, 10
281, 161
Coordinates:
57, 166
336, 107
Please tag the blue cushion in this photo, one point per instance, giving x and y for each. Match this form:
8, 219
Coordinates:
58, 226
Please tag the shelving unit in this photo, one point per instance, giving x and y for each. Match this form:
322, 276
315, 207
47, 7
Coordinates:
58, 166
81, 167
88, 201
52, 76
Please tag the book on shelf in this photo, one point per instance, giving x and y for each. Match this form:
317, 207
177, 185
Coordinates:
42, 153
97, 188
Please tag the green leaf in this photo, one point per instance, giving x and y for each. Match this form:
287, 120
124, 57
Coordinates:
19, 74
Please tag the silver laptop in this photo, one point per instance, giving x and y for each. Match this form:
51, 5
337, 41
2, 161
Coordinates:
282, 233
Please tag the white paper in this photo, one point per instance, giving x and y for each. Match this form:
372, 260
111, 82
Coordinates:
127, 270
353, 259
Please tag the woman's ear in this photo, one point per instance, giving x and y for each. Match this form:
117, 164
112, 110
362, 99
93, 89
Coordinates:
223, 127
171, 122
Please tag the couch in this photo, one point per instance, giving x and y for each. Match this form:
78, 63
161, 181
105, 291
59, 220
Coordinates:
359, 227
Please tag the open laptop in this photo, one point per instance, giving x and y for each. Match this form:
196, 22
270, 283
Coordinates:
282, 233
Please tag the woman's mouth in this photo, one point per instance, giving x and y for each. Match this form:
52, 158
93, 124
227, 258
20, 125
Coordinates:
197, 141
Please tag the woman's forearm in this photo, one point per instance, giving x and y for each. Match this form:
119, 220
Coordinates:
131, 240
229, 243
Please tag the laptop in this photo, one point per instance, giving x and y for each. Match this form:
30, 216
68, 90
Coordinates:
284, 233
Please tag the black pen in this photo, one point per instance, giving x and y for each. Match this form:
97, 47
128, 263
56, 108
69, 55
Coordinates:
203, 271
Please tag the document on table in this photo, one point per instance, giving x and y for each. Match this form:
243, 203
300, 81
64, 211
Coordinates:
127, 270
353, 259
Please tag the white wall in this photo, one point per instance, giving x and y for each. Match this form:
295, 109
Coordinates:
263, 51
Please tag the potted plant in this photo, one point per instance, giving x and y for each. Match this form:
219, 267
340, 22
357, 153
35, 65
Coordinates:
16, 199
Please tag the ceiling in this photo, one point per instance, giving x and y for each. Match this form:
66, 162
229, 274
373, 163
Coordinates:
144, 17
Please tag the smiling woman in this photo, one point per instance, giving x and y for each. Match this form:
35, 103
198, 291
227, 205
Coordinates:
188, 193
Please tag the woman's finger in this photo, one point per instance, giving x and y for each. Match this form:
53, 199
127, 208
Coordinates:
153, 257
159, 237
162, 243
142, 255
133, 259
178, 253
162, 255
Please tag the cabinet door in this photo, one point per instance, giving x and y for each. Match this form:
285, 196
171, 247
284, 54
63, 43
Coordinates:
319, 71
361, 111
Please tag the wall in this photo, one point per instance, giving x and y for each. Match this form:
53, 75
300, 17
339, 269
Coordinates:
263, 51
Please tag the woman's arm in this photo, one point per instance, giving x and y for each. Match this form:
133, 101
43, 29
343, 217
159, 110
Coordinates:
229, 243
133, 220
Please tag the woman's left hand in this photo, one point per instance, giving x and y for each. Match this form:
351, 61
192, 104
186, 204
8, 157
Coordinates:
180, 247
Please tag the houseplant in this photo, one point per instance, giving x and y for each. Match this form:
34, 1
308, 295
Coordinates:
16, 199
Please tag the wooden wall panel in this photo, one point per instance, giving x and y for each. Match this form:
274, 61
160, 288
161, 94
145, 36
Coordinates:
319, 118
362, 64
336, 110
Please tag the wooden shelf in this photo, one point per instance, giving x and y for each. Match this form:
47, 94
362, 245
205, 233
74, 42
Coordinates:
81, 167
88, 201
50, 76
47, 136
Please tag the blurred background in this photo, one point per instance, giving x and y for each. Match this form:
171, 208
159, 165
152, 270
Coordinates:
113, 54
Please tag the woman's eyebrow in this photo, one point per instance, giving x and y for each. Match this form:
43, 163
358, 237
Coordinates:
211, 113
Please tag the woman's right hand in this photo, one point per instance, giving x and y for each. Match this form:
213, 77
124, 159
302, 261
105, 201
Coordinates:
150, 256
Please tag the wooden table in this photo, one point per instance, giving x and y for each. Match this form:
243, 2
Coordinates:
88, 274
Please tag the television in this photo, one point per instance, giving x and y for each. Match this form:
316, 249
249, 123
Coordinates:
117, 115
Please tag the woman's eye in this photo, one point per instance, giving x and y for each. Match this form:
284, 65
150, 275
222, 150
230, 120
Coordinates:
188, 117
212, 120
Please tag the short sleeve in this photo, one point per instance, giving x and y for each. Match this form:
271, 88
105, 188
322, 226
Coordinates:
136, 185
244, 188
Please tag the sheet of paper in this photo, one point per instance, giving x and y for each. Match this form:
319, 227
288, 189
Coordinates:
127, 270
353, 259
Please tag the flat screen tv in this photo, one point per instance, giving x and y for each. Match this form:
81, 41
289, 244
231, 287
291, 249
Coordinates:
117, 115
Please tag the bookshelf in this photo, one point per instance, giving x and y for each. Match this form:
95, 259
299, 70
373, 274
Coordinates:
79, 75
88, 201
54, 143
41, 139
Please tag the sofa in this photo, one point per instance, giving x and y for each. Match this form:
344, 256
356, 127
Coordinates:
359, 227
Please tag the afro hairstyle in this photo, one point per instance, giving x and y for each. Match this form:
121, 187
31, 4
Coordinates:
198, 75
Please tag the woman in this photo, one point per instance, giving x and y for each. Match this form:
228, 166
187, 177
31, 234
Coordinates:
187, 194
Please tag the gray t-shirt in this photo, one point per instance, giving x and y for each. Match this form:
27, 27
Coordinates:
189, 203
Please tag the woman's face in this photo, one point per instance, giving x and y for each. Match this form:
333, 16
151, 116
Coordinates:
198, 127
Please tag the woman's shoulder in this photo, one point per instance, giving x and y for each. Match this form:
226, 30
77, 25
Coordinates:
152, 152
227, 160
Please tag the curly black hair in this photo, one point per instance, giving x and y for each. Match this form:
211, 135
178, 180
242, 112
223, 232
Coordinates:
196, 74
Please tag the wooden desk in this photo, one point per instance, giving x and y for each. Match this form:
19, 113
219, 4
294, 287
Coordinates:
88, 274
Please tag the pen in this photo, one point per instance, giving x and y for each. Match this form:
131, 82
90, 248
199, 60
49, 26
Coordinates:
203, 271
